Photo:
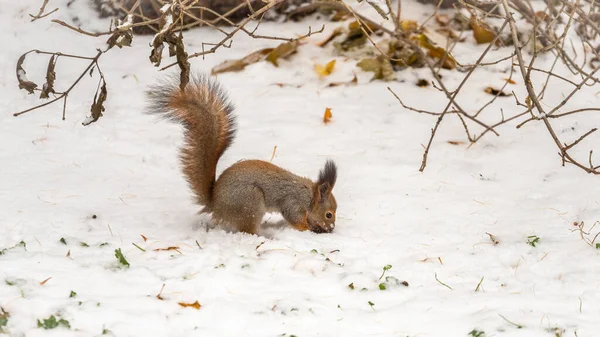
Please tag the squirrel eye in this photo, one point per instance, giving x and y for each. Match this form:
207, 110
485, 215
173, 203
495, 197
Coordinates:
328, 215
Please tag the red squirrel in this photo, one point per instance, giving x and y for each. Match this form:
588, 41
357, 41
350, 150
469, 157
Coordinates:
248, 189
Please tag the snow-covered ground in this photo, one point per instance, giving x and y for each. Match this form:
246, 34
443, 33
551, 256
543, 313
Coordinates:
100, 188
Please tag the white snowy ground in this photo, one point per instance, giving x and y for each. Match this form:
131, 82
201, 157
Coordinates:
55, 175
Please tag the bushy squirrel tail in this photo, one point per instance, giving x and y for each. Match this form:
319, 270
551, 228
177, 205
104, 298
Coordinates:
209, 127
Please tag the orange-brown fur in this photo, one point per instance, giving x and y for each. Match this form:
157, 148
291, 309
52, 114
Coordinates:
248, 189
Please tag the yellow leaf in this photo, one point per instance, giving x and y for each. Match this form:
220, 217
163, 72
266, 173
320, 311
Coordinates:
325, 70
409, 25
282, 51
327, 115
436, 52
194, 305
481, 31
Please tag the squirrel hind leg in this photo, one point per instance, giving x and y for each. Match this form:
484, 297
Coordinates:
241, 211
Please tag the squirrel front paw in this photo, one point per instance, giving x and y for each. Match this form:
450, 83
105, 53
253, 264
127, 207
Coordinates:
313, 227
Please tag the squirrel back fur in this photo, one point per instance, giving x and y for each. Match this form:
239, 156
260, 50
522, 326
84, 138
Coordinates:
209, 127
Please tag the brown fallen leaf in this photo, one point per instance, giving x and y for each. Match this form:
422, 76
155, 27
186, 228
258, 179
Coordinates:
48, 87
24, 83
422, 83
510, 80
455, 142
435, 51
495, 92
442, 19
281, 85
327, 115
175, 248
160, 292
542, 16
143, 237
194, 305
351, 82
282, 51
46, 280
238, 65
355, 36
325, 70
482, 32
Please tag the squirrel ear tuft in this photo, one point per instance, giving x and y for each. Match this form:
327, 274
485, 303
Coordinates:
328, 174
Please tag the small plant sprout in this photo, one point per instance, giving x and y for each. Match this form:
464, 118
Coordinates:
51, 323
476, 333
119, 255
3, 319
385, 268
533, 240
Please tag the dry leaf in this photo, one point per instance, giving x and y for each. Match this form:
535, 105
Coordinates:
495, 92
336, 32
436, 52
510, 80
175, 248
24, 83
48, 87
46, 280
355, 36
442, 19
237, 65
282, 51
281, 85
159, 296
409, 26
97, 105
327, 115
340, 16
482, 32
351, 82
194, 305
542, 16
380, 65
325, 70
422, 83
143, 237
455, 142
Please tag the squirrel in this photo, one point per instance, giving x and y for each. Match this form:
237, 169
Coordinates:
248, 189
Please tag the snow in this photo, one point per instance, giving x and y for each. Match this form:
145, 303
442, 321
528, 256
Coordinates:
126, 23
119, 178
